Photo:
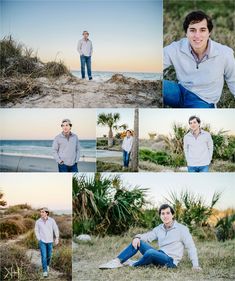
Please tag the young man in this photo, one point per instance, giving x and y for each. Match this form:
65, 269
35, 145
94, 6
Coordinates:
201, 66
85, 50
172, 238
66, 148
198, 147
126, 147
45, 230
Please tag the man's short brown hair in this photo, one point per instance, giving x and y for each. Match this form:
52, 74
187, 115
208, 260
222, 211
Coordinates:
195, 17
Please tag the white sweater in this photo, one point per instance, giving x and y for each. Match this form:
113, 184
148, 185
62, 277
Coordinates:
45, 230
173, 241
198, 151
127, 144
207, 80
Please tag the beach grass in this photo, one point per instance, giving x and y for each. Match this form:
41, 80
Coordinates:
217, 260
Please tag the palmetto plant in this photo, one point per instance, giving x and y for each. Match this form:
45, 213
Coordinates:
225, 227
110, 120
102, 204
191, 209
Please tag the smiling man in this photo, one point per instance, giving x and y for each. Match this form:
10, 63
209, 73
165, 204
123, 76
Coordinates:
172, 238
198, 147
201, 66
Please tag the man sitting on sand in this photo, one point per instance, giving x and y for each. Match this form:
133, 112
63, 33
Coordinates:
66, 148
201, 66
127, 146
45, 230
198, 147
85, 50
172, 238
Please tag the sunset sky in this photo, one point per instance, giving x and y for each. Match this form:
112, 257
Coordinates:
126, 35
151, 120
52, 190
43, 124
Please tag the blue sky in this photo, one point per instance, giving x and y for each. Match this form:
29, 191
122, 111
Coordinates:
127, 35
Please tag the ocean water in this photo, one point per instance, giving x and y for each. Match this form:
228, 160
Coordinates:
42, 148
105, 75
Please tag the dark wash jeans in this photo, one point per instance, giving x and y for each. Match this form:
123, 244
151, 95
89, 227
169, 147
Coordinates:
150, 255
86, 62
176, 96
68, 169
126, 158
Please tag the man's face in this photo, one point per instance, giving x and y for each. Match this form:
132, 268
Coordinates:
198, 35
43, 214
166, 216
85, 35
128, 134
194, 125
66, 127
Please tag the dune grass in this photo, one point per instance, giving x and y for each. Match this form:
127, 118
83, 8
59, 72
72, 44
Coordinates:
216, 259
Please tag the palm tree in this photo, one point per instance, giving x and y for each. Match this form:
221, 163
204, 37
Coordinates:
110, 120
135, 148
2, 202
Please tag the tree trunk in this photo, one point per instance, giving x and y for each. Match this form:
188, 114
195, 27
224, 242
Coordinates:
110, 138
135, 147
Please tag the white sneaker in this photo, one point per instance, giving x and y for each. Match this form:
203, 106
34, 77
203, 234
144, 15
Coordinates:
45, 274
115, 263
129, 262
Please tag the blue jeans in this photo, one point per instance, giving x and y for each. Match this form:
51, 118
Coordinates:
126, 158
65, 169
86, 61
175, 95
46, 252
150, 256
198, 169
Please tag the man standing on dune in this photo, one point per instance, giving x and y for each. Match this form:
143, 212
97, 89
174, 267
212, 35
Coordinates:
85, 50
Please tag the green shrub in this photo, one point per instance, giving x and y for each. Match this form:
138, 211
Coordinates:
101, 142
225, 228
30, 240
62, 260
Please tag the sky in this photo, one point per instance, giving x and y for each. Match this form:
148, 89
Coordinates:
52, 190
126, 35
126, 117
151, 120
43, 124
160, 184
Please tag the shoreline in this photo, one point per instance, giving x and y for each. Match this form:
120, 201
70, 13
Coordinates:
11, 163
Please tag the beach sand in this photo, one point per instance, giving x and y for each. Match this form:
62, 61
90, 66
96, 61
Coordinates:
70, 92
9, 163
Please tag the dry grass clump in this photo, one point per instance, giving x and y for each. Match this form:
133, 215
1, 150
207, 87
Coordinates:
15, 265
62, 260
